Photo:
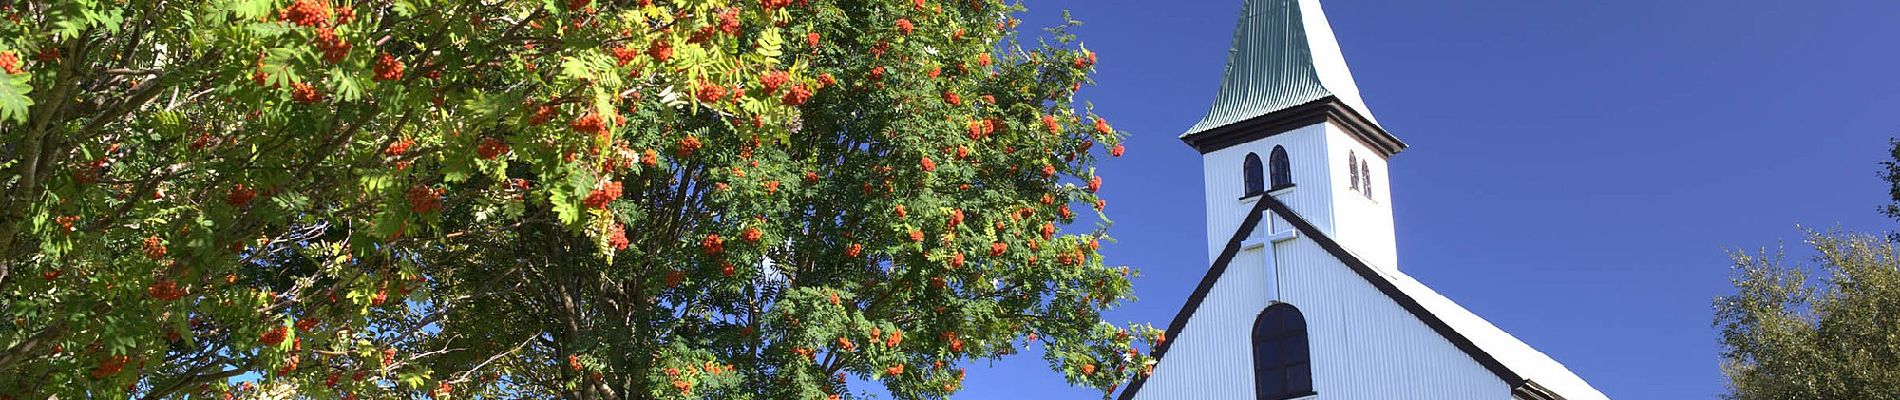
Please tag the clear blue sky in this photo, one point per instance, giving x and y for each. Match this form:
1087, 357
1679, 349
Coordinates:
1577, 168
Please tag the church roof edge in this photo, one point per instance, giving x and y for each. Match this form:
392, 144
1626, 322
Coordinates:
1531, 374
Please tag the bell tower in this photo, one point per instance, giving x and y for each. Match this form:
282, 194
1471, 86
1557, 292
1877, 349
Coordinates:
1288, 123
1304, 300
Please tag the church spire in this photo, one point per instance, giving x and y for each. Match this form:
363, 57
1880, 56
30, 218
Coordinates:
1284, 55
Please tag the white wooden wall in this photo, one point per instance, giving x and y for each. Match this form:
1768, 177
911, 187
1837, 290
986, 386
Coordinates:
1362, 225
1364, 344
1208, 359
1322, 191
1226, 182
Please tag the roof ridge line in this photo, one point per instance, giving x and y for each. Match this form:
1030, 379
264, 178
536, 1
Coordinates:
1214, 272
1518, 383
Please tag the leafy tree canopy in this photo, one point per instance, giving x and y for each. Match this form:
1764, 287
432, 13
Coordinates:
628, 199
1787, 334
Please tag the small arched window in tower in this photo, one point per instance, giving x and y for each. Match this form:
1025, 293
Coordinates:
1282, 169
1256, 179
1366, 173
1352, 168
1282, 366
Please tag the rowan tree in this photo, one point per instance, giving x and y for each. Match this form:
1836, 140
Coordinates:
638, 199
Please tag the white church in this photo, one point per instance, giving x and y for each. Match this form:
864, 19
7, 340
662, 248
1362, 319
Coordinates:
1304, 298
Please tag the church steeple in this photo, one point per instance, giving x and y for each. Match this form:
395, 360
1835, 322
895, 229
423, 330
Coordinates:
1284, 56
1288, 108
1304, 268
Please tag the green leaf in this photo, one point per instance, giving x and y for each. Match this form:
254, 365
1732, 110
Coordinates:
491, 105
267, 29
412, 378
68, 19
574, 68
404, 8
770, 44
291, 200
113, 20
347, 87
247, 9
564, 206
456, 168
13, 100
374, 182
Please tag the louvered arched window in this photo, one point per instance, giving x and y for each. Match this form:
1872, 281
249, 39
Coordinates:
1282, 366
1352, 168
1365, 173
1282, 168
1256, 179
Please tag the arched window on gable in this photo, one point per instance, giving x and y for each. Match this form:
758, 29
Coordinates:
1366, 173
1256, 180
1282, 366
1282, 169
1352, 168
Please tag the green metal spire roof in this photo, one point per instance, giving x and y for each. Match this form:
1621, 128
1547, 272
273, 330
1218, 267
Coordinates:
1284, 55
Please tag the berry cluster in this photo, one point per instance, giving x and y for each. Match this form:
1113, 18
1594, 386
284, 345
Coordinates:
304, 93
154, 248
239, 195
713, 245
710, 92
602, 196
617, 237
491, 147
66, 223
318, 14
333, 47
10, 63
729, 21
542, 113
589, 124
424, 200
623, 55
388, 68
905, 27
1086, 60
688, 145
274, 336
110, 366
165, 290
771, 81
307, 13
797, 95
660, 50
397, 148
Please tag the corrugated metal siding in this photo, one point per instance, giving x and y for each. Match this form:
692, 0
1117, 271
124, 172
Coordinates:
1366, 346
1203, 362
1362, 225
1311, 196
